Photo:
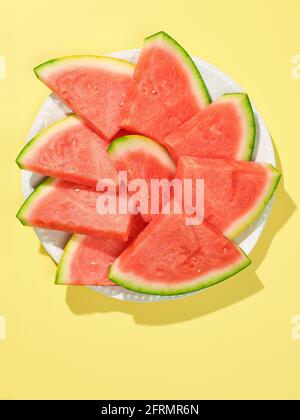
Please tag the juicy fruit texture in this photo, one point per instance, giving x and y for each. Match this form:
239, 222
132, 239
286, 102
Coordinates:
236, 193
70, 207
86, 259
71, 151
170, 258
167, 90
225, 129
93, 87
142, 158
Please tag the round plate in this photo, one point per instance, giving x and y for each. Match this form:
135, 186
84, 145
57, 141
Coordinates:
218, 83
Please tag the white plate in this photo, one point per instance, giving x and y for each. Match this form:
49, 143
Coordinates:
218, 83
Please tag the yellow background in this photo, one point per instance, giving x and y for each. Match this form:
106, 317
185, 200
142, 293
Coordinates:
232, 341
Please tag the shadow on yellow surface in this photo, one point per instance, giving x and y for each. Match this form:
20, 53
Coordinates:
42, 251
82, 300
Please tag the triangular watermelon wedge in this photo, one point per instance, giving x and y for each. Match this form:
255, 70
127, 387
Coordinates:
71, 151
168, 89
70, 207
225, 129
170, 258
93, 87
142, 158
236, 193
86, 259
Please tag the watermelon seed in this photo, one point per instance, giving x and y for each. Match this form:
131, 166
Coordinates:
215, 130
122, 104
225, 249
185, 250
77, 189
193, 263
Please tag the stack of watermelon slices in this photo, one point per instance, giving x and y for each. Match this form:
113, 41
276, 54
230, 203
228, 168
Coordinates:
153, 120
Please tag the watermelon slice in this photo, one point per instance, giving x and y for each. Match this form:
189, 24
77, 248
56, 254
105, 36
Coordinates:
236, 193
86, 259
167, 90
93, 87
142, 158
69, 150
225, 129
170, 258
70, 207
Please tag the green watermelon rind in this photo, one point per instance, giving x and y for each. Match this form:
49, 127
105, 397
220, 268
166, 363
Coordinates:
33, 198
62, 273
238, 228
42, 136
122, 145
249, 122
124, 280
67, 60
202, 91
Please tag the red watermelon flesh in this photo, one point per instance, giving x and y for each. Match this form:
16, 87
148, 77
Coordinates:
170, 258
86, 259
142, 158
90, 258
71, 151
93, 87
70, 207
235, 192
167, 90
225, 129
